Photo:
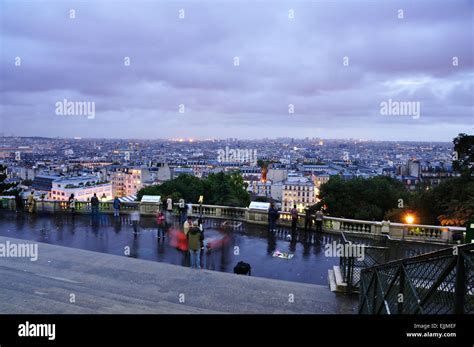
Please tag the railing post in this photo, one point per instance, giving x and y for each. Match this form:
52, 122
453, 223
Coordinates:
460, 290
374, 302
349, 277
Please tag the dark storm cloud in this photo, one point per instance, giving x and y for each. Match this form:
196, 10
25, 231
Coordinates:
282, 62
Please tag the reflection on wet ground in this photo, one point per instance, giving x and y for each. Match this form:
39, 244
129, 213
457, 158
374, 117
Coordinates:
228, 243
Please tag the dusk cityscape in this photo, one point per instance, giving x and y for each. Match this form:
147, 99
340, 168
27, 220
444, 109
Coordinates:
165, 159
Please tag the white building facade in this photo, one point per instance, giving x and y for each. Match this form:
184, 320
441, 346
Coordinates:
299, 191
83, 188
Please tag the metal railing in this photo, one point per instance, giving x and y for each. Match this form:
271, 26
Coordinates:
440, 282
352, 265
375, 250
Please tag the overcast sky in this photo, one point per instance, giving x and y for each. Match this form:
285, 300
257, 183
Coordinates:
282, 61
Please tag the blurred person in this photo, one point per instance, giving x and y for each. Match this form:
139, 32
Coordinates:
19, 204
178, 240
273, 215
169, 210
294, 218
95, 205
308, 219
201, 228
117, 204
135, 217
31, 202
182, 211
72, 203
187, 225
319, 221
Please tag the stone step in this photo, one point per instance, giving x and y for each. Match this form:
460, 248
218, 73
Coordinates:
341, 286
338, 274
332, 281
105, 283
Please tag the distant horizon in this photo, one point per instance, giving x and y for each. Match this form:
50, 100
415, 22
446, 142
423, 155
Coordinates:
187, 140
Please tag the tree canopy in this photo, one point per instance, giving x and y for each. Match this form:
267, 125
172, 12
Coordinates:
360, 198
6, 188
464, 155
449, 203
220, 188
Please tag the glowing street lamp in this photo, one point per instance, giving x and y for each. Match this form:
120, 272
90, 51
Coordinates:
409, 218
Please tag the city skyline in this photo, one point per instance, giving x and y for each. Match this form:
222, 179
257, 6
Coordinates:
191, 140
286, 70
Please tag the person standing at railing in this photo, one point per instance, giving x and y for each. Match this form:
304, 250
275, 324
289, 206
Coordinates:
72, 204
31, 202
169, 210
117, 204
95, 205
135, 217
182, 211
160, 221
319, 221
19, 206
273, 216
385, 227
308, 219
294, 218
187, 225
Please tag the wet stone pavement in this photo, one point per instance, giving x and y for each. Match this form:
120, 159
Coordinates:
229, 245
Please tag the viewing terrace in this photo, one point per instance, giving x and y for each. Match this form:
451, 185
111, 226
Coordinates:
310, 272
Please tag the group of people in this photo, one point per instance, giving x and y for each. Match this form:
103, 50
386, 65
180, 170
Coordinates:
189, 239
274, 215
30, 202
94, 201
168, 206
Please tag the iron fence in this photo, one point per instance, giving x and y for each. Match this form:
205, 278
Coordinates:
440, 282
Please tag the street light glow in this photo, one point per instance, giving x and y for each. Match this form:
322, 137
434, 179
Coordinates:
409, 219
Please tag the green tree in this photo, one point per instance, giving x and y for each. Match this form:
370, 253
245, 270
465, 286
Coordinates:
359, 198
6, 188
227, 189
450, 203
464, 155
187, 187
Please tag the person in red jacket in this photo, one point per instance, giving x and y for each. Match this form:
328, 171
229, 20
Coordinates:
160, 221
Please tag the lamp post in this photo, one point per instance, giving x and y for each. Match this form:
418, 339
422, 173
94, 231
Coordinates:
201, 200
